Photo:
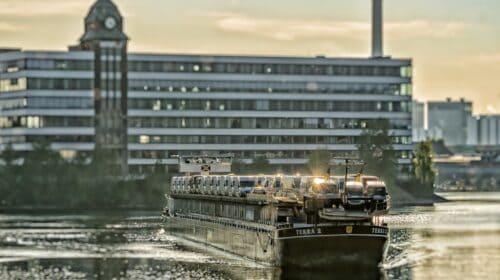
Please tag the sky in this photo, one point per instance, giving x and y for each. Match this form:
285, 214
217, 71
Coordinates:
454, 44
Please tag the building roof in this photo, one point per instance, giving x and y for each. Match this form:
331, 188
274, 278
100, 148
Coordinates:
213, 58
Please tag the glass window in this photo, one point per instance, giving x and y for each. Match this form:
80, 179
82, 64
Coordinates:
17, 84
269, 69
406, 72
406, 89
262, 105
144, 139
207, 68
157, 105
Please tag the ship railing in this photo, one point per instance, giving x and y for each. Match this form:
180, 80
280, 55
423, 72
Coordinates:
223, 221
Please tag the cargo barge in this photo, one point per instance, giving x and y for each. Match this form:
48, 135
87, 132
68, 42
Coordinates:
285, 221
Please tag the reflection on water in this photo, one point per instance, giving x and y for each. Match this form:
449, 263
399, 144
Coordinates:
455, 240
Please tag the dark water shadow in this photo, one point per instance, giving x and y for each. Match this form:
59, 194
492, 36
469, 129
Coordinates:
108, 268
129, 268
336, 271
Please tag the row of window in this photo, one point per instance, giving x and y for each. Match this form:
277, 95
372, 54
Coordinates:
60, 64
269, 69
51, 103
10, 104
12, 66
8, 85
45, 138
269, 105
46, 64
46, 121
220, 123
231, 68
196, 139
61, 103
60, 84
270, 87
221, 105
261, 123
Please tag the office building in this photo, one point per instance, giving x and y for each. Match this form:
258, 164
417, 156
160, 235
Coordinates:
148, 107
418, 121
488, 130
449, 120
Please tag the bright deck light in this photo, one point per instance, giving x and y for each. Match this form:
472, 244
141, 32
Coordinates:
318, 181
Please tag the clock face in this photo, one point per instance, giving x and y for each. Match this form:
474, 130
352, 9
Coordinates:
110, 23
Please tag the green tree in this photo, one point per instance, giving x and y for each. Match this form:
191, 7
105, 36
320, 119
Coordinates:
8, 172
424, 170
9, 156
318, 162
92, 181
376, 150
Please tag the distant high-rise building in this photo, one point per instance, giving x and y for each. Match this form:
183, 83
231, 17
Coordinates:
472, 131
451, 119
489, 130
418, 121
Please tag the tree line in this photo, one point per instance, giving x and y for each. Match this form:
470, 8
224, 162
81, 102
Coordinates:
375, 149
43, 179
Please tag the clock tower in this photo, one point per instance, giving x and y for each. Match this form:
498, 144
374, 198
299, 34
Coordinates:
105, 37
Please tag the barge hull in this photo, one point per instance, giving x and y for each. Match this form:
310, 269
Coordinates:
307, 247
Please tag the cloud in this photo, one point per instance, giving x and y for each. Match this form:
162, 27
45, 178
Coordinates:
30, 8
492, 110
7, 27
487, 58
295, 29
285, 30
426, 29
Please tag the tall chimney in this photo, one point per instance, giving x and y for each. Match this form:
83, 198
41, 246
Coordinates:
377, 29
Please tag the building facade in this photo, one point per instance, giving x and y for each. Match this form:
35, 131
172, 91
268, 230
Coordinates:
449, 119
488, 130
104, 36
418, 121
472, 131
278, 107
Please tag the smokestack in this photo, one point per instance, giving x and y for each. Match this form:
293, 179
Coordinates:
377, 29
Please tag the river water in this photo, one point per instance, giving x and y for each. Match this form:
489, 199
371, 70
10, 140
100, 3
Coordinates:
454, 240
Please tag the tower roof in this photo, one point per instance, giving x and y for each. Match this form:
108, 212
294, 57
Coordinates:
103, 22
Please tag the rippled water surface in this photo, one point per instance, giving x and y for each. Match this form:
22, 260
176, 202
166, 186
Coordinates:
455, 240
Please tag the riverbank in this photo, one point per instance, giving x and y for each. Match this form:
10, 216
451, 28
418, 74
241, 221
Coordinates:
411, 197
